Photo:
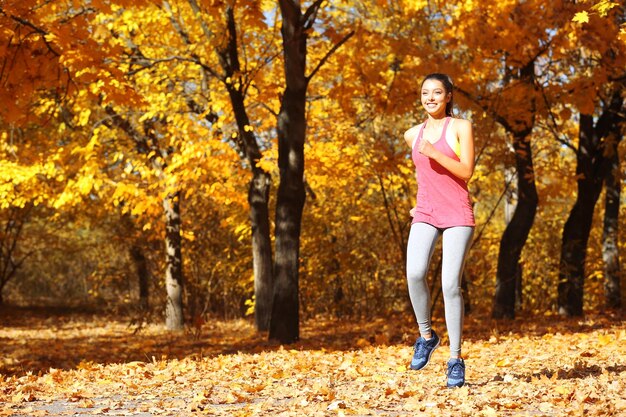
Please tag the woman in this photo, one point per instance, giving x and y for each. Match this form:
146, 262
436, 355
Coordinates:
443, 153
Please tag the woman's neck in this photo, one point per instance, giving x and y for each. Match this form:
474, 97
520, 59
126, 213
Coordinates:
436, 121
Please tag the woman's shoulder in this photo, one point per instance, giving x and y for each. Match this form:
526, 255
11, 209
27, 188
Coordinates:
460, 126
411, 134
413, 130
460, 121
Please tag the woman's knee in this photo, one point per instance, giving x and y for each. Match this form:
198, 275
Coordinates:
451, 290
416, 274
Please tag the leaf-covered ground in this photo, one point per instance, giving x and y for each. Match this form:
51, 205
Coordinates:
78, 365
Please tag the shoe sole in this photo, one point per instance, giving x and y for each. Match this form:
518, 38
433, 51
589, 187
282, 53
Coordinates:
428, 361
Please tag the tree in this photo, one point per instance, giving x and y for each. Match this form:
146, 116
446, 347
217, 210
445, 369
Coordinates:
594, 162
291, 130
164, 142
597, 149
610, 231
509, 270
147, 142
510, 96
237, 81
11, 255
199, 106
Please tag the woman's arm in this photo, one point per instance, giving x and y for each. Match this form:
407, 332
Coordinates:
410, 135
464, 168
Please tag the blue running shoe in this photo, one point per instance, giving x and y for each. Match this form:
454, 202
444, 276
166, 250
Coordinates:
423, 350
456, 372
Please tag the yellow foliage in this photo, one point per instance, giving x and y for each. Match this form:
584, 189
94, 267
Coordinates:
104, 103
414, 5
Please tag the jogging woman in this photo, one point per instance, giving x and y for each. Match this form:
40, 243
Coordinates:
442, 149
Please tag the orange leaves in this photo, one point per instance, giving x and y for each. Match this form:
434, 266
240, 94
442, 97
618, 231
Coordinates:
266, 380
50, 44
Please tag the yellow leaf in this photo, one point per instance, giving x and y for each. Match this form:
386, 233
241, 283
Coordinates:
489, 412
86, 403
545, 407
604, 339
604, 6
563, 390
581, 17
503, 362
83, 118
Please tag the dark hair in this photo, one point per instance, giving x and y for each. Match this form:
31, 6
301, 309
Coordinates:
447, 85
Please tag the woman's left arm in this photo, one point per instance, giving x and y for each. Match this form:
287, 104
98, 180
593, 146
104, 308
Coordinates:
464, 168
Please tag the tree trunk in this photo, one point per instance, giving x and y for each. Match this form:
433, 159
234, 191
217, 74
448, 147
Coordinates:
173, 264
291, 130
9, 239
574, 247
520, 125
510, 202
258, 198
592, 167
147, 143
516, 232
610, 237
143, 276
259, 187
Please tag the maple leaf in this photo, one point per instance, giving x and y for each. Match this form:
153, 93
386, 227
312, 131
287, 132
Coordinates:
581, 17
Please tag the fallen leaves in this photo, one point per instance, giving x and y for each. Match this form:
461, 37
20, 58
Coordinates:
504, 362
519, 373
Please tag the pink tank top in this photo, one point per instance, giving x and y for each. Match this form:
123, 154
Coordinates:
442, 199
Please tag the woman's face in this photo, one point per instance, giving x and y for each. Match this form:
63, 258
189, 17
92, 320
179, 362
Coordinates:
434, 97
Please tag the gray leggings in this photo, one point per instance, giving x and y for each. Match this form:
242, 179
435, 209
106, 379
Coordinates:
456, 243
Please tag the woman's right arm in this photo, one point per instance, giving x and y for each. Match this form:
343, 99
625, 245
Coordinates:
409, 135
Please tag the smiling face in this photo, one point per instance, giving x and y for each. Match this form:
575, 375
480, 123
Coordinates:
435, 97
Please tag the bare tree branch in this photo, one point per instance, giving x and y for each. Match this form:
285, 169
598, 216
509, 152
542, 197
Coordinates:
554, 129
38, 30
311, 14
328, 54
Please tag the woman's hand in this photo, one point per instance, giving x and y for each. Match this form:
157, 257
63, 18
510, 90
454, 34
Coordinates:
462, 169
426, 148
412, 212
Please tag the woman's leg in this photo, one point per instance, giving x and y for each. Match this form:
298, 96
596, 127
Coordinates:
422, 239
456, 243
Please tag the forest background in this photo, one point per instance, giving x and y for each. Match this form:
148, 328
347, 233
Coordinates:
223, 159
204, 206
